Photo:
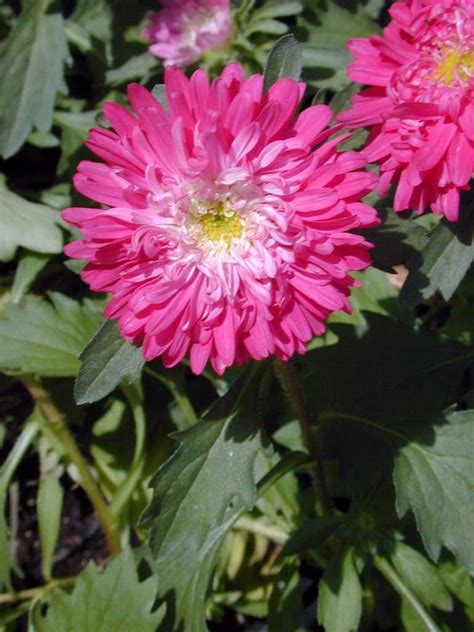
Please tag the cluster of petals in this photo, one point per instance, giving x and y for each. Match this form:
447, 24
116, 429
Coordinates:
420, 102
183, 31
225, 226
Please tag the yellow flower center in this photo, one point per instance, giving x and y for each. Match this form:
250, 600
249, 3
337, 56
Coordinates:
220, 223
456, 66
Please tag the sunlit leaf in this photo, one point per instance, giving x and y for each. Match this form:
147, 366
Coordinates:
285, 60
197, 495
31, 73
45, 338
340, 595
114, 599
23, 223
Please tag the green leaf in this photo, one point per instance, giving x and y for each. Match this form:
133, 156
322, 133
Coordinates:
443, 262
31, 73
435, 480
342, 99
75, 127
273, 27
278, 9
140, 67
285, 60
46, 338
27, 270
395, 240
376, 294
105, 362
325, 28
114, 599
379, 396
457, 579
49, 505
33, 226
421, 576
7, 470
197, 496
340, 595
312, 534
286, 602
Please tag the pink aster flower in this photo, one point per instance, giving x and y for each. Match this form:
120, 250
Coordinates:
226, 232
185, 29
421, 102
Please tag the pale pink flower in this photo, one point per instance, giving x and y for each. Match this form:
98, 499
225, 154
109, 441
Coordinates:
186, 29
421, 102
227, 233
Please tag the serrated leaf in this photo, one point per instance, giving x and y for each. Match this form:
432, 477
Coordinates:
23, 223
340, 595
45, 338
31, 73
105, 362
285, 60
436, 481
421, 576
443, 262
114, 599
197, 496
379, 396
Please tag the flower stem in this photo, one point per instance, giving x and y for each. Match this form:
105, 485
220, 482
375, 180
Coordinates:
295, 393
33, 593
61, 431
387, 570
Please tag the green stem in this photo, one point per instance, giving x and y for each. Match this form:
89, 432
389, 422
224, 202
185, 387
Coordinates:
134, 475
295, 393
270, 532
34, 593
178, 394
391, 576
17, 453
56, 424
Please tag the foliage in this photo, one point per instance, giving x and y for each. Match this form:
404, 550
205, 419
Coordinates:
213, 479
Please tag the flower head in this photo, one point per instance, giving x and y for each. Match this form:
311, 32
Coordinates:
183, 31
227, 228
421, 102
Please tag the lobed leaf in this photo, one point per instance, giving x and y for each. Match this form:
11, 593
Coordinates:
436, 482
45, 338
114, 599
197, 496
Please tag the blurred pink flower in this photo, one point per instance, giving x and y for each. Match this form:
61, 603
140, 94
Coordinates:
421, 104
227, 233
185, 29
